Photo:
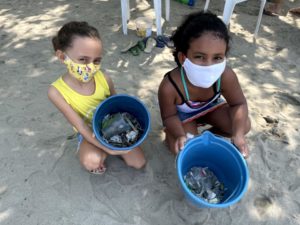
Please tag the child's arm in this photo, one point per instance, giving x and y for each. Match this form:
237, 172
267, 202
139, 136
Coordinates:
168, 111
76, 121
234, 96
110, 85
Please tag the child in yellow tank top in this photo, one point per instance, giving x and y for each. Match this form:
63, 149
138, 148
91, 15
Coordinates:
84, 105
79, 91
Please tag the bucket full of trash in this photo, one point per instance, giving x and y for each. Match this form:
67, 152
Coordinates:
121, 122
212, 172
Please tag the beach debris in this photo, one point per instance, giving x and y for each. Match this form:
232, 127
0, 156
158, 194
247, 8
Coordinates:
120, 129
270, 119
203, 183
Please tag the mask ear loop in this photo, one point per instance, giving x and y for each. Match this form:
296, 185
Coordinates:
183, 56
184, 83
97, 66
66, 57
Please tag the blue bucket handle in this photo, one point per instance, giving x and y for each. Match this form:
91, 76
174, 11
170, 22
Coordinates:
209, 134
205, 134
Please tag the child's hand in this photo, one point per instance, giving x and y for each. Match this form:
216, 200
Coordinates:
111, 152
179, 143
241, 144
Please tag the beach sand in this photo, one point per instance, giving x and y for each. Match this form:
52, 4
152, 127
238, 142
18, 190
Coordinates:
41, 180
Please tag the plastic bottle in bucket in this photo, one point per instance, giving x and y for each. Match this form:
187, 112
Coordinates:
121, 103
223, 159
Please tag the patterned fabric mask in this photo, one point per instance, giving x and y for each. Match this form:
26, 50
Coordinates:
82, 72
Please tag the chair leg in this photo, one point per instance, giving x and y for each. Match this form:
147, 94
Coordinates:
262, 6
128, 10
228, 9
124, 8
157, 8
167, 10
206, 5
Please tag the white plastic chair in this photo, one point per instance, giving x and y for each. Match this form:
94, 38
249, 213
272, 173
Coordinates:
157, 7
228, 10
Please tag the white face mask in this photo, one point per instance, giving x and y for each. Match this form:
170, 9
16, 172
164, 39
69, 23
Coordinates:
203, 76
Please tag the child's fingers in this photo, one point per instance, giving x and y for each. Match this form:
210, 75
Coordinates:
245, 151
176, 149
181, 145
181, 142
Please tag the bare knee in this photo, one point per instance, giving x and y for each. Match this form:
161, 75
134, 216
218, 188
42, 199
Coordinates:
227, 131
135, 158
171, 141
138, 164
91, 160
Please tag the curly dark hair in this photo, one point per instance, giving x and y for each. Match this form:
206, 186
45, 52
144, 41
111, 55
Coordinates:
195, 25
69, 31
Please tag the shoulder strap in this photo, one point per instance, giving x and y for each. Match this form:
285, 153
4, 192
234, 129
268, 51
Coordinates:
175, 86
217, 86
184, 84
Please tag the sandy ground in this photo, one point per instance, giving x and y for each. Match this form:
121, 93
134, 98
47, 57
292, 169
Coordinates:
41, 180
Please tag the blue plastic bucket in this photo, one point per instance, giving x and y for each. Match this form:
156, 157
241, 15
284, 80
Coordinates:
223, 159
121, 103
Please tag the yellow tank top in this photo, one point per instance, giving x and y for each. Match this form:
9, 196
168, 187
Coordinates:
84, 105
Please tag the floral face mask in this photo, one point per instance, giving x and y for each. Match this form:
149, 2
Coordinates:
82, 72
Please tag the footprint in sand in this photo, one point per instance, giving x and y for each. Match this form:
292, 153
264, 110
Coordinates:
289, 98
263, 204
270, 119
276, 129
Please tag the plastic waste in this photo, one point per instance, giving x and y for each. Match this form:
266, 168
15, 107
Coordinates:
203, 183
120, 129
